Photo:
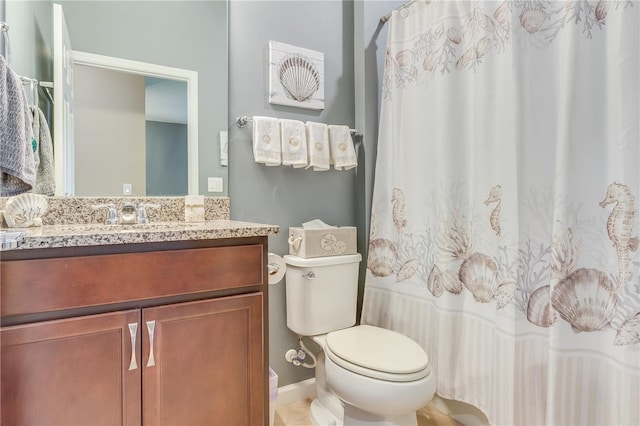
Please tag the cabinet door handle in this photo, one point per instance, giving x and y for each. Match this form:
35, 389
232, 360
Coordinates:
151, 325
133, 331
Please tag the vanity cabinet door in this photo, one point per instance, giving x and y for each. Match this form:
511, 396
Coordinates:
203, 362
78, 371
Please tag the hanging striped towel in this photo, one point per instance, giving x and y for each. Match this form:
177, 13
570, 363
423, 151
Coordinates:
266, 141
294, 143
17, 164
45, 173
318, 146
343, 154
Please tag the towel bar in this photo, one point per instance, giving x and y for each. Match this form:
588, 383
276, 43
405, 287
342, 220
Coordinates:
243, 120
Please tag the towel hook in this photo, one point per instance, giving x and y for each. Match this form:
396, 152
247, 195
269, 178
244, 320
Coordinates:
4, 29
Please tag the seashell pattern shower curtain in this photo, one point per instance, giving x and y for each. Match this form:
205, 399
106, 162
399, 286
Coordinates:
505, 217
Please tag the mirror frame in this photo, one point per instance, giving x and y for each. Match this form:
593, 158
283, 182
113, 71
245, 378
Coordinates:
161, 71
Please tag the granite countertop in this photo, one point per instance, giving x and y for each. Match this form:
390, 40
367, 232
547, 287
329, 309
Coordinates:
73, 222
82, 235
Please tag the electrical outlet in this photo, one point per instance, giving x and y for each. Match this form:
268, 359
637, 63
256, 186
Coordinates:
215, 184
126, 189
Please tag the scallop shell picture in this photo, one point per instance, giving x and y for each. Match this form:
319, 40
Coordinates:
299, 77
296, 76
25, 210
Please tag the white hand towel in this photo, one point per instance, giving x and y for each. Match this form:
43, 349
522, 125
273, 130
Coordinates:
45, 173
17, 165
266, 141
293, 137
318, 146
343, 154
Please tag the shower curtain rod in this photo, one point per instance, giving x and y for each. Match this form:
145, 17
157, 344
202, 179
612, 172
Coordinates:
386, 17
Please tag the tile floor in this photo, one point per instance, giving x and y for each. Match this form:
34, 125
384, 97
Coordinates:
297, 414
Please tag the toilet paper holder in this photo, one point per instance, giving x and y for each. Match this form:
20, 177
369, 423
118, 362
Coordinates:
273, 268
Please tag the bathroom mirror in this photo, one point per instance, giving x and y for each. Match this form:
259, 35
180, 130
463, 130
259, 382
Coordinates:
135, 127
186, 35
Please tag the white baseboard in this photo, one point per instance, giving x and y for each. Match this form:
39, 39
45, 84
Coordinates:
294, 392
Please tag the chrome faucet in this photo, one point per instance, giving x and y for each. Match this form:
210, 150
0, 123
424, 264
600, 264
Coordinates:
142, 212
112, 213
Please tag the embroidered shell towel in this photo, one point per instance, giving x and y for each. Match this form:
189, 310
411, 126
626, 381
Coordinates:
266, 141
343, 154
17, 164
294, 143
318, 141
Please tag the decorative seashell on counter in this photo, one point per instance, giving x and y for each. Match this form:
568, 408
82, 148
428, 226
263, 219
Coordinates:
299, 77
25, 210
479, 274
583, 300
381, 257
539, 309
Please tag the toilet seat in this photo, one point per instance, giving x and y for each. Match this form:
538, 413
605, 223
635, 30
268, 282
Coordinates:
377, 353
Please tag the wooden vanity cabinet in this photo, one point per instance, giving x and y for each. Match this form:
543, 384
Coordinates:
168, 334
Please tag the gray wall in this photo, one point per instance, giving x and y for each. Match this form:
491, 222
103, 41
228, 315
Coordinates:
182, 34
354, 44
30, 26
282, 195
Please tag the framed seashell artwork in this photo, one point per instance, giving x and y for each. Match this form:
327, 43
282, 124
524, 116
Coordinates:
296, 76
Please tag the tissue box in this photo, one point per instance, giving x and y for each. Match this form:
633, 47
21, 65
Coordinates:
322, 242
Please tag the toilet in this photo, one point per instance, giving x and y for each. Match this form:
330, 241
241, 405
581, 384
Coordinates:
365, 375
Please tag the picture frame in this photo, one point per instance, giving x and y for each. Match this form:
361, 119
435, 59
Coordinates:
296, 76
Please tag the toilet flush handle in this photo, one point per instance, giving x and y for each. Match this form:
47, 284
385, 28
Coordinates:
309, 275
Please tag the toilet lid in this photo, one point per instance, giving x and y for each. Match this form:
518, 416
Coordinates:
372, 348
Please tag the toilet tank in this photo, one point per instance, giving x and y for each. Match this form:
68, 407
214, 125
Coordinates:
321, 293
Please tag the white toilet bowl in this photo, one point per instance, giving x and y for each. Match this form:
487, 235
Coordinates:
381, 376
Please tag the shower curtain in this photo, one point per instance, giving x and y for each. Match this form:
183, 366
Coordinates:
504, 225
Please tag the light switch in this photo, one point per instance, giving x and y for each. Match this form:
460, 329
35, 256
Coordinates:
224, 147
126, 189
215, 184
